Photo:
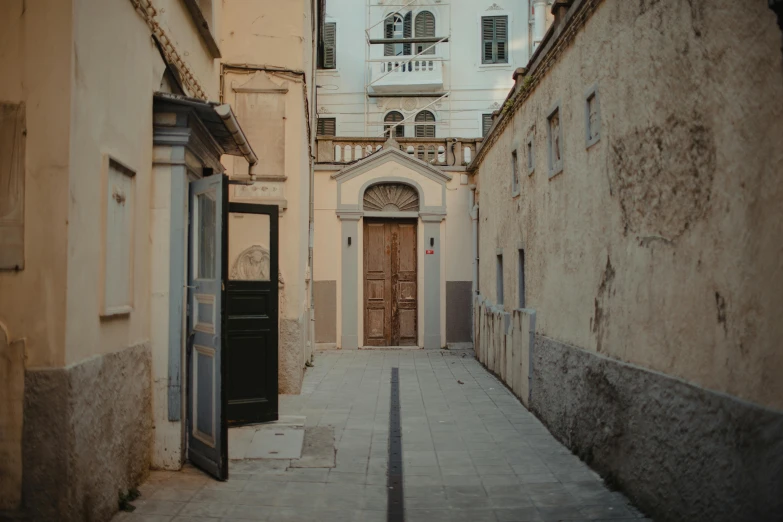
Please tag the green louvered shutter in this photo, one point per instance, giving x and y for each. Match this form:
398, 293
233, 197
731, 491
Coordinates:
425, 28
407, 32
494, 39
330, 45
327, 126
394, 117
486, 124
388, 49
425, 131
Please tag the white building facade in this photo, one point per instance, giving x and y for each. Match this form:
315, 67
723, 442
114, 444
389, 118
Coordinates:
426, 68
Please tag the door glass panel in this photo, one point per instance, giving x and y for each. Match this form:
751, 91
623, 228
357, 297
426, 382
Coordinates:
248, 247
206, 247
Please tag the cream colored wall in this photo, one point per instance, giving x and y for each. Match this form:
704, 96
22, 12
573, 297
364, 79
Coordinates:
35, 68
458, 231
266, 32
660, 245
327, 251
279, 35
116, 70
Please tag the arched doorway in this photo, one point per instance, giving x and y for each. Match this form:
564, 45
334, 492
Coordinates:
390, 266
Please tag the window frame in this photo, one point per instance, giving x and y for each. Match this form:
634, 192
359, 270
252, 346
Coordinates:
515, 190
433, 50
521, 290
592, 93
509, 38
425, 124
388, 123
108, 309
555, 168
499, 297
530, 153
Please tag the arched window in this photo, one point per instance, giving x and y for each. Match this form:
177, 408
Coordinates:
425, 131
394, 117
397, 27
425, 28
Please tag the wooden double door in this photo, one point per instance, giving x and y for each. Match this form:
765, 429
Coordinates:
390, 283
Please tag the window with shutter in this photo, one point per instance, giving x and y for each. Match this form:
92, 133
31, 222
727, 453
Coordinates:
494, 39
425, 28
407, 32
388, 49
330, 46
394, 117
327, 126
425, 131
486, 123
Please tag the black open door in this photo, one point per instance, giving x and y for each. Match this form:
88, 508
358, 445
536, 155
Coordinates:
252, 313
207, 429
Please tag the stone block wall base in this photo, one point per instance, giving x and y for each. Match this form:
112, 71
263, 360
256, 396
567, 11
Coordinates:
292, 356
87, 435
678, 451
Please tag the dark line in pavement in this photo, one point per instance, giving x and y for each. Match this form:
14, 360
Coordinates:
395, 511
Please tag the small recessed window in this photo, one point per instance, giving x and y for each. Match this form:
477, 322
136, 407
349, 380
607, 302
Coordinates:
514, 174
327, 126
592, 117
521, 277
555, 141
119, 215
530, 155
500, 279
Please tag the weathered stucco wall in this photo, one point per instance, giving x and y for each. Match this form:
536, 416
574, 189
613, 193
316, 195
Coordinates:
659, 245
87, 435
35, 64
653, 259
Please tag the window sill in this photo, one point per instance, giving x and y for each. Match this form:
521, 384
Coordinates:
515, 194
553, 173
496, 66
589, 143
328, 72
531, 172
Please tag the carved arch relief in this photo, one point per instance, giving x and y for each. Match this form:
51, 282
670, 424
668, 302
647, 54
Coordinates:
391, 197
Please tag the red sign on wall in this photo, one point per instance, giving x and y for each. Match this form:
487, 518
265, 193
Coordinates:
430, 252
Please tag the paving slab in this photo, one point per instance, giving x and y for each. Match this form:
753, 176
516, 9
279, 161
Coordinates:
470, 452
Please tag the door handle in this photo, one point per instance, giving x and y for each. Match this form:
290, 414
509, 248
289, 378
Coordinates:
191, 286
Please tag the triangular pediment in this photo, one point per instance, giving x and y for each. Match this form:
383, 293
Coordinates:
390, 153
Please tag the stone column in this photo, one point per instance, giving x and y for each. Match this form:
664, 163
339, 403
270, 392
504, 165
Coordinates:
350, 276
432, 281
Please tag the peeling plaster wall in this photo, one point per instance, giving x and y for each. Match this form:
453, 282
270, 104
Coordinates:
87, 434
653, 260
658, 245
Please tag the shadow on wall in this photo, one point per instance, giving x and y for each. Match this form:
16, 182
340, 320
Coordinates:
11, 419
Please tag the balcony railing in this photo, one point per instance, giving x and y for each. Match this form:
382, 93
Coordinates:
444, 152
401, 74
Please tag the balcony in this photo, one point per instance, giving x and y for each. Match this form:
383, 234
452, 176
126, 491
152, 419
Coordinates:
442, 152
400, 74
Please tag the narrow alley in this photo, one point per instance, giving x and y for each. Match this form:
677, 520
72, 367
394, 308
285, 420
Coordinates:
471, 452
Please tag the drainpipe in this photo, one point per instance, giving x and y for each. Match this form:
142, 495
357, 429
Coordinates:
474, 220
231, 123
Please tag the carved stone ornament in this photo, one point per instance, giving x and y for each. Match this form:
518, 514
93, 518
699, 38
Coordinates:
391, 197
251, 265
494, 7
410, 104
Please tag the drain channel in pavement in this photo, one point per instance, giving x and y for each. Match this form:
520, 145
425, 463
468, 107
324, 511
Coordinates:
395, 507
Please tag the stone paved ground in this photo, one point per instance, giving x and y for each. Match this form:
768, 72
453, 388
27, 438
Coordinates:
471, 452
